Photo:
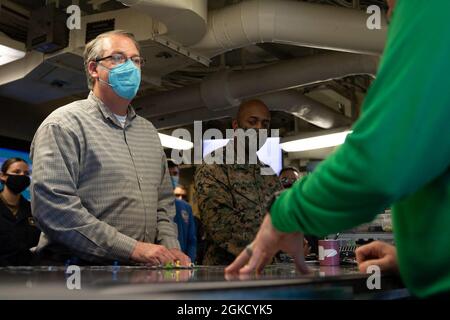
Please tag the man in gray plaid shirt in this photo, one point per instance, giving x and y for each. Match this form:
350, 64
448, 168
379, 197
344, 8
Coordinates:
101, 190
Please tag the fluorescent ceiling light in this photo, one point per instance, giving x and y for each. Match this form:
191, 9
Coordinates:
317, 142
10, 50
175, 143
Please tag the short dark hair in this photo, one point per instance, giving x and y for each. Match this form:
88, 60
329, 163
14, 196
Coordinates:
289, 168
9, 162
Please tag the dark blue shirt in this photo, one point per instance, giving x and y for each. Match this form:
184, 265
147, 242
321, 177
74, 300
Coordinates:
18, 233
187, 233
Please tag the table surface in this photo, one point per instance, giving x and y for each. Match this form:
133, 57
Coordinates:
281, 281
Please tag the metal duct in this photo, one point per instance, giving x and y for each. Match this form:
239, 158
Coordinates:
226, 89
290, 101
185, 20
290, 22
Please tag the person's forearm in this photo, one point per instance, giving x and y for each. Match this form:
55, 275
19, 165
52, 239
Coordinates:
167, 234
399, 144
84, 234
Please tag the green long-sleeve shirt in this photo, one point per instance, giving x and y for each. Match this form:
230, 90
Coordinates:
398, 154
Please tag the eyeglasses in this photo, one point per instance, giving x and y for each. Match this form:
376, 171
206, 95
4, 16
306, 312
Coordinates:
119, 58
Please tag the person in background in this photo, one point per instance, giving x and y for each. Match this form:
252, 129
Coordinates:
101, 190
398, 155
180, 192
187, 231
233, 198
288, 176
18, 231
174, 172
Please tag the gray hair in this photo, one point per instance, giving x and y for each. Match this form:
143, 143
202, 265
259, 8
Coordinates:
94, 50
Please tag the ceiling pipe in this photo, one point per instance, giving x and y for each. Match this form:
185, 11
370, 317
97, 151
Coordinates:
305, 108
181, 118
185, 20
222, 89
290, 101
290, 22
227, 89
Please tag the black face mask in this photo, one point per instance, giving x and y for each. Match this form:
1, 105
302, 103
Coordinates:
17, 183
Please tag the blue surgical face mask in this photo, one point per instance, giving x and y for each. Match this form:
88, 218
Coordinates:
124, 79
175, 180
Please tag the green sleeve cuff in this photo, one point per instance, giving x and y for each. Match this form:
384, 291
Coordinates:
283, 217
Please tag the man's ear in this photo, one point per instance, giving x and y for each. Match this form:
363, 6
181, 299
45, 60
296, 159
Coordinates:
234, 124
92, 68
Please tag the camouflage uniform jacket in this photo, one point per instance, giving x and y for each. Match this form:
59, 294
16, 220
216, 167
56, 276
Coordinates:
232, 200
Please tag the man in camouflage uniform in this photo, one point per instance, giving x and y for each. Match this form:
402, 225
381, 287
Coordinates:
233, 198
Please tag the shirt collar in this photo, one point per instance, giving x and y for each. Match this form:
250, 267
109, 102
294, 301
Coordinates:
107, 113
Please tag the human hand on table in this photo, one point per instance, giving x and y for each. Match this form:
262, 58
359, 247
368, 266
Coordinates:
152, 254
184, 260
267, 243
377, 253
